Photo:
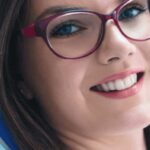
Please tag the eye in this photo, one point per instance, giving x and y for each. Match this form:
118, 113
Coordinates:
131, 12
66, 29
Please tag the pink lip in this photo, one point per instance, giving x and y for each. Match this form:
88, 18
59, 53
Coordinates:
124, 93
120, 75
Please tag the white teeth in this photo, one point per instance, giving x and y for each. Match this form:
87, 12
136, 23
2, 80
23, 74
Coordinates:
129, 81
111, 86
120, 84
105, 87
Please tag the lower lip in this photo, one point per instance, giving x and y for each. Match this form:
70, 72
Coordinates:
125, 93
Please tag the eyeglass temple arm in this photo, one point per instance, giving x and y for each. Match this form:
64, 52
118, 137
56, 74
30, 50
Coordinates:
29, 31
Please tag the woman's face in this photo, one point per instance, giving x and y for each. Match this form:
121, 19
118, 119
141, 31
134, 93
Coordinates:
63, 86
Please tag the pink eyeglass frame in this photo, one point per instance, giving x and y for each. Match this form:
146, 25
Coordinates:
38, 28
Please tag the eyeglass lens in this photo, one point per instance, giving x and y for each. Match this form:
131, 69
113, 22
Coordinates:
76, 34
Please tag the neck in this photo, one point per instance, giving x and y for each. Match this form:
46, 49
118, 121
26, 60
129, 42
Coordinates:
130, 141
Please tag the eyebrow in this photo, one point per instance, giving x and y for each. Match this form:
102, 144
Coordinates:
55, 10
60, 9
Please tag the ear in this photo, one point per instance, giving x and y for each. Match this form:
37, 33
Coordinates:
24, 90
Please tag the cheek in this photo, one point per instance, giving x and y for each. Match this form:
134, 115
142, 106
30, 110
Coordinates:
145, 51
55, 82
41, 67
144, 48
61, 87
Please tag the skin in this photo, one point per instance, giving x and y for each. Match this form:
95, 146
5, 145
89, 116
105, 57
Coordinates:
84, 119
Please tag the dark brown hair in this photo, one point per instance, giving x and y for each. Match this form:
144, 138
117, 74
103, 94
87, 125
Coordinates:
31, 131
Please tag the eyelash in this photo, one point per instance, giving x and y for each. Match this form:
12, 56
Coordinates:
70, 23
73, 27
136, 6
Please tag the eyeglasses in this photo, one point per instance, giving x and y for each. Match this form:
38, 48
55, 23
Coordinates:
76, 34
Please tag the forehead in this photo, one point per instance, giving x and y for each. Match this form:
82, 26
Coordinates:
75, 2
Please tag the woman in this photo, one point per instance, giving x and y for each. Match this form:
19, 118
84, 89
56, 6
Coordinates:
75, 75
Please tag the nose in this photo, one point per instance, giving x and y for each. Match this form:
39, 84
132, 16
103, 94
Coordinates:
115, 47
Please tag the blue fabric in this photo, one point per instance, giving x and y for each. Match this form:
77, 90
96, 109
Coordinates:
6, 139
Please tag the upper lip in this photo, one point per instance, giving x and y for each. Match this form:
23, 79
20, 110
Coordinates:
120, 75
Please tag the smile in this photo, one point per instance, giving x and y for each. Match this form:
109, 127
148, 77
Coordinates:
122, 87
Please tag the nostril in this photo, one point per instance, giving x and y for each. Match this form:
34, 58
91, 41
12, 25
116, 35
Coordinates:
131, 53
113, 59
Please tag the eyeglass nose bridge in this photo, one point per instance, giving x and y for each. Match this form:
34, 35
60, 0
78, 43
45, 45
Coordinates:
106, 17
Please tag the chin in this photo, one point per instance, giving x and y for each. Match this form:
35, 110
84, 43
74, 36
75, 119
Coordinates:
135, 119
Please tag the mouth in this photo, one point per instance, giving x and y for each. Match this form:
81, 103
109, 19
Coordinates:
120, 88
